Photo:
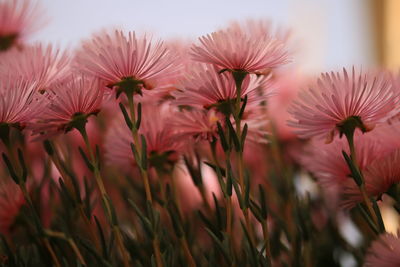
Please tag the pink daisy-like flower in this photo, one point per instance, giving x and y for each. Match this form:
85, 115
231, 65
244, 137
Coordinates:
125, 61
19, 102
338, 99
384, 252
206, 88
239, 48
41, 64
326, 163
379, 176
70, 102
197, 124
18, 19
163, 144
11, 201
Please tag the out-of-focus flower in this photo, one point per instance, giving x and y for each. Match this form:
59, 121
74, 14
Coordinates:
326, 163
241, 48
127, 62
163, 144
71, 103
338, 101
40, 64
11, 201
197, 124
206, 88
19, 102
379, 176
384, 252
18, 19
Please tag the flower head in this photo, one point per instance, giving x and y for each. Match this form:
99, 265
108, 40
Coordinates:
384, 252
162, 142
239, 48
340, 100
18, 19
379, 176
44, 65
126, 61
206, 88
19, 102
70, 104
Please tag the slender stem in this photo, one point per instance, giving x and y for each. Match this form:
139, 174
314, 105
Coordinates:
156, 248
135, 135
104, 196
266, 239
56, 159
188, 254
366, 200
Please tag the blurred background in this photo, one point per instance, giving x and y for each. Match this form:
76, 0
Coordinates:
328, 34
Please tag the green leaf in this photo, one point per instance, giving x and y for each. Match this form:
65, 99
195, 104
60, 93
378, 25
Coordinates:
10, 168
126, 116
144, 163
244, 134
232, 134
220, 246
221, 134
85, 158
139, 115
243, 107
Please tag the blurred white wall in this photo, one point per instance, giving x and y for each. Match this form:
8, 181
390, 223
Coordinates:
328, 34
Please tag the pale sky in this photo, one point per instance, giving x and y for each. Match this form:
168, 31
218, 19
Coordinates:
328, 34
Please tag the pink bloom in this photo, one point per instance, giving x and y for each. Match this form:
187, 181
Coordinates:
76, 99
384, 252
163, 144
11, 201
18, 19
326, 163
19, 102
239, 48
41, 64
197, 124
117, 58
206, 88
379, 176
336, 97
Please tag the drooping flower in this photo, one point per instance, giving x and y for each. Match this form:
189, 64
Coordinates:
71, 103
163, 144
18, 19
11, 201
379, 176
127, 61
40, 64
340, 100
384, 252
206, 88
19, 102
239, 48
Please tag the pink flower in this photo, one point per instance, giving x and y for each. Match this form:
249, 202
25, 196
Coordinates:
122, 60
18, 19
197, 125
11, 201
366, 99
19, 102
240, 48
384, 252
70, 102
206, 88
41, 64
379, 176
163, 144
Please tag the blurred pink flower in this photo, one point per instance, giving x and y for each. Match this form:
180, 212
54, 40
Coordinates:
379, 176
204, 87
70, 101
11, 201
19, 102
115, 58
40, 64
335, 98
18, 19
163, 144
196, 125
241, 48
384, 252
